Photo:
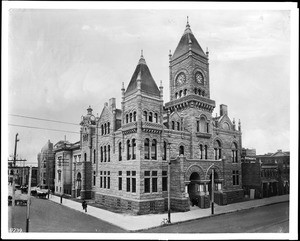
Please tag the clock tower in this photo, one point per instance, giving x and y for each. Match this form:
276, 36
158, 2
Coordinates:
189, 71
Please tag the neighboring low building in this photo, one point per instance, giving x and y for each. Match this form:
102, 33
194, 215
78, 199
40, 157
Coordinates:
22, 175
266, 176
46, 167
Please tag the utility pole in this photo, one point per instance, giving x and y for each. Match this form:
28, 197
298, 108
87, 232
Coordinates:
169, 186
15, 153
212, 189
48, 173
13, 169
28, 200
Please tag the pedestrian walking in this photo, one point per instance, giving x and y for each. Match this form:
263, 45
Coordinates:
84, 205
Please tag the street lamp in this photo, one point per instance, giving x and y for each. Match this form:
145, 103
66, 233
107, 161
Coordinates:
169, 184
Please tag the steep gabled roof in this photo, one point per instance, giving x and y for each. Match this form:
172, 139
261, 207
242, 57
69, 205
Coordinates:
148, 84
188, 40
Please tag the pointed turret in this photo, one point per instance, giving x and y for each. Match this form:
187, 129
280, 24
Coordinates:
142, 74
187, 43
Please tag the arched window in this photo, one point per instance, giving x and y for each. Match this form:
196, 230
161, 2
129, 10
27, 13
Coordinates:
184, 92
85, 157
101, 153
205, 151
154, 150
130, 117
128, 150
147, 149
203, 125
198, 123
173, 125
108, 153
105, 128
217, 150
105, 154
176, 95
180, 93
120, 151
201, 152
178, 126
108, 128
94, 156
181, 150
156, 118
145, 116
203, 93
150, 117
102, 130
133, 149
165, 151
195, 90
134, 116
199, 92
127, 118
234, 152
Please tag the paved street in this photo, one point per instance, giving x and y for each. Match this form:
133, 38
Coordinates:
47, 216
267, 219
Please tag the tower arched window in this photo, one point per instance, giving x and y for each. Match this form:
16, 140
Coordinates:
234, 152
173, 125
101, 153
145, 116
150, 116
201, 151
205, 152
134, 116
108, 153
105, 129
178, 126
180, 93
130, 117
120, 151
154, 150
85, 157
108, 128
127, 118
105, 155
176, 95
133, 149
198, 126
195, 90
128, 150
217, 150
102, 130
147, 149
165, 151
184, 92
155, 118
203, 93
203, 125
181, 150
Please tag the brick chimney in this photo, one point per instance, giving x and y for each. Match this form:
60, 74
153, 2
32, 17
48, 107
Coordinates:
223, 110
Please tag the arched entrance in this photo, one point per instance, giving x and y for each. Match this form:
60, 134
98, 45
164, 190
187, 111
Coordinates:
78, 184
194, 188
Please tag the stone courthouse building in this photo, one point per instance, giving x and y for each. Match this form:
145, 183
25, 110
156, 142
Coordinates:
125, 152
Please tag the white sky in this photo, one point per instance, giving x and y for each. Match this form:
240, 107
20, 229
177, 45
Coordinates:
61, 61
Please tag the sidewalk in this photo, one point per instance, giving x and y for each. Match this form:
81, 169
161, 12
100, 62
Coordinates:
139, 222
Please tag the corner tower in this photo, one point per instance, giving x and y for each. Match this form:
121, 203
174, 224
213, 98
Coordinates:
189, 68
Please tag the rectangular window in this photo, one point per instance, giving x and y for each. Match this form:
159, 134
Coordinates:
133, 184
164, 180
127, 184
120, 180
108, 182
154, 184
147, 185
235, 177
104, 181
101, 182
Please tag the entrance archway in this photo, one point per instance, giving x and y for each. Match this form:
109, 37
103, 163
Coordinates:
78, 184
194, 188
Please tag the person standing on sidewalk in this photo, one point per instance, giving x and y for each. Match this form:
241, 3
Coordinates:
84, 205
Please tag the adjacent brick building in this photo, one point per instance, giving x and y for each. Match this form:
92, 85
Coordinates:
46, 167
125, 152
267, 175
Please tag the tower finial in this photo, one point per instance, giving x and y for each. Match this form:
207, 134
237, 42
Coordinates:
142, 54
187, 21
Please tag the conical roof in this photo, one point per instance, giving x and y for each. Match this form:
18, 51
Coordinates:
186, 42
142, 73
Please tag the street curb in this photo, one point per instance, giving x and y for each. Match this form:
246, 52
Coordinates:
210, 216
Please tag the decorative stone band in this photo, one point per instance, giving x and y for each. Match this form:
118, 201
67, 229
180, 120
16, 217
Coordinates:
203, 135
